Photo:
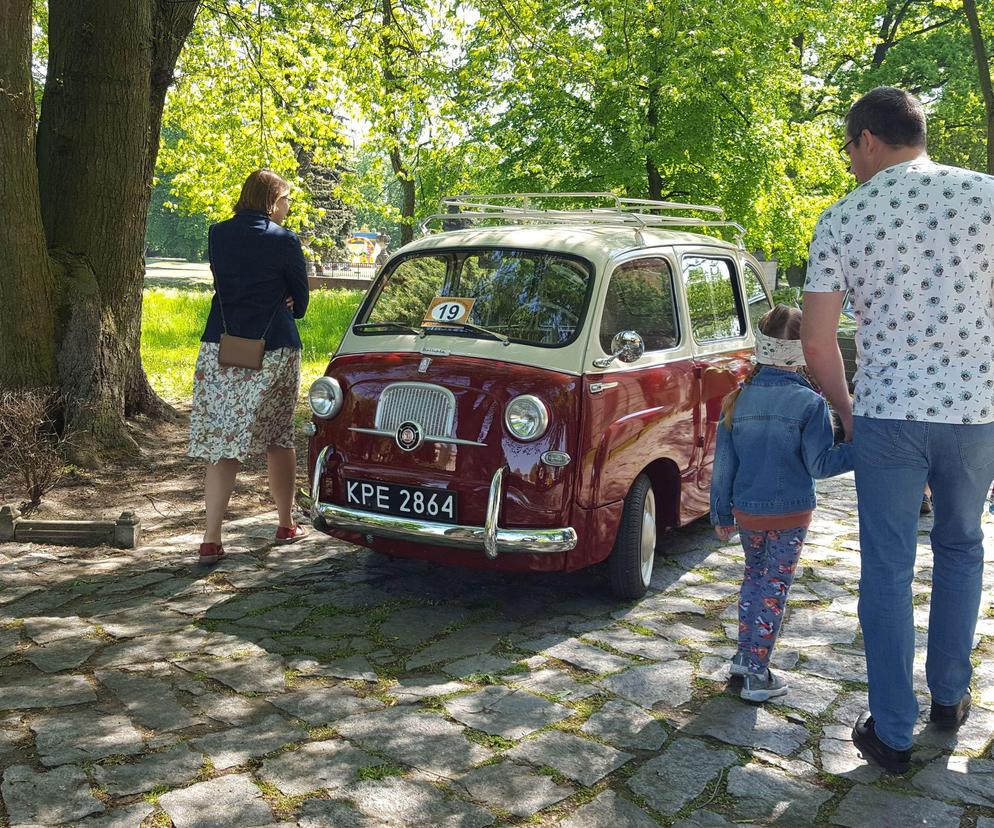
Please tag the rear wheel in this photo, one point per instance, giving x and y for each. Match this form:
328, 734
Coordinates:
634, 550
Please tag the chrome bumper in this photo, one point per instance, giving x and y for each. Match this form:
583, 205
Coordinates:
490, 538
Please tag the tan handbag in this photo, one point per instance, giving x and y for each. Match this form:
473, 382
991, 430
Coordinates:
239, 352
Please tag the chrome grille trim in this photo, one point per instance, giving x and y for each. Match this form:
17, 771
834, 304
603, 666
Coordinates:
431, 406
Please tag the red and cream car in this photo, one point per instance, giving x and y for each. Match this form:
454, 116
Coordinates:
537, 391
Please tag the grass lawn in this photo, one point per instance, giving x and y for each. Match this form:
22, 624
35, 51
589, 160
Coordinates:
173, 321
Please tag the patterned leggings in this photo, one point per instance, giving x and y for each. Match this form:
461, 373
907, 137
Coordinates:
770, 560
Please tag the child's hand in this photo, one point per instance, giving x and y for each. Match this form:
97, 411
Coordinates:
724, 532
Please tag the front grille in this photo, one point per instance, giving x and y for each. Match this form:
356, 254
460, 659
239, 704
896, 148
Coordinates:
430, 406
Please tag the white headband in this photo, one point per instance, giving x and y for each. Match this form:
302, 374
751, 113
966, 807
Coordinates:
785, 353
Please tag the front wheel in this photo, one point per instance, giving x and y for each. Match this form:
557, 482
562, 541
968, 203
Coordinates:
634, 550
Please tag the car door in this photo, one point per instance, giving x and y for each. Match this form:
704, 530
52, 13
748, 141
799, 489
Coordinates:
720, 327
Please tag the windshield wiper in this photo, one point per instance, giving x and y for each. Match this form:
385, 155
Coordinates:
475, 328
400, 326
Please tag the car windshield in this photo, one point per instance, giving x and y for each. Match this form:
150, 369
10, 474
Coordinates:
526, 296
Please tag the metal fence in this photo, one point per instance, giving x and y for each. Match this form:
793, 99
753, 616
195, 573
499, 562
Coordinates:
347, 270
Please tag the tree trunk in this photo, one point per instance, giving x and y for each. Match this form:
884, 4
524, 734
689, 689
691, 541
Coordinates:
655, 180
109, 66
407, 190
984, 71
27, 285
390, 84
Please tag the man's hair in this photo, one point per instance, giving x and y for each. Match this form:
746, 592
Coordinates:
261, 190
896, 117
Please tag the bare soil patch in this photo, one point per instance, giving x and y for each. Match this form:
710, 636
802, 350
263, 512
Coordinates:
163, 486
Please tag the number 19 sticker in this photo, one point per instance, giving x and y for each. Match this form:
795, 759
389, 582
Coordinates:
448, 310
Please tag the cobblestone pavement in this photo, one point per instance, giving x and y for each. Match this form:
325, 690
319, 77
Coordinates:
321, 685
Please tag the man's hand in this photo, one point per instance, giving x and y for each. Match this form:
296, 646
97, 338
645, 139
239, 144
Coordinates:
724, 532
819, 329
289, 302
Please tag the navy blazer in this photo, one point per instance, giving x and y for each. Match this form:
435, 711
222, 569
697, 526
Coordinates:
256, 264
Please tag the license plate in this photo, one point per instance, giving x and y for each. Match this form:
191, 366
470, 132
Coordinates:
403, 501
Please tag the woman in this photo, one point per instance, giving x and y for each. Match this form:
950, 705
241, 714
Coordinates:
260, 285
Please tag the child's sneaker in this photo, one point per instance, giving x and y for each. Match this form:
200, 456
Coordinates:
740, 666
763, 688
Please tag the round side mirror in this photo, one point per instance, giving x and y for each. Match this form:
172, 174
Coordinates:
627, 346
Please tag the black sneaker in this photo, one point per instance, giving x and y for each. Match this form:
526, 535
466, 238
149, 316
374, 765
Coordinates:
951, 716
926, 507
864, 736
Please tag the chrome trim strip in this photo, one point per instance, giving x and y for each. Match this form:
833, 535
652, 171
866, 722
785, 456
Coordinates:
428, 438
508, 541
493, 513
316, 481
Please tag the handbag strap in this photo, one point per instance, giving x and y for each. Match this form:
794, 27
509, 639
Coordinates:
217, 293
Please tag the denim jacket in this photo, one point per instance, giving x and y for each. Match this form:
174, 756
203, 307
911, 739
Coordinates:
780, 441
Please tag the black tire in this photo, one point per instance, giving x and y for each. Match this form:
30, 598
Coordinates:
631, 560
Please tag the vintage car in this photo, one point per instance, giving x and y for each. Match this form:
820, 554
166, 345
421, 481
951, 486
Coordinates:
538, 390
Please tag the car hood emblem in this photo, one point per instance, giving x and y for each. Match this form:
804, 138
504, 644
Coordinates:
409, 436
423, 365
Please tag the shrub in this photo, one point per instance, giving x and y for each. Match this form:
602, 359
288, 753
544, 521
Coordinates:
33, 440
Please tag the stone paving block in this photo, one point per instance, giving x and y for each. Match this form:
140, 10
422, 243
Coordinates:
512, 788
402, 802
504, 712
336, 626
864, 806
609, 809
58, 796
171, 768
626, 725
734, 723
422, 740
85, 735
579, 759
246, 675
841, 758
660, 604
128, 816
151, 648
475, 640
850, 707
413, 690
199, 600
770, 796
553, 683
316, 765
150, 621
678, 631
231, 708
149, 701
670, 683
45, 630
712, 591
587, 657
281, 619
477, 665
10, 641
226, 802
808, 693
324, 705
958, 778
706, 819
356, 668
679, 774
407, 628
236, 746
816, 628
56, 691
324, 813
647, 646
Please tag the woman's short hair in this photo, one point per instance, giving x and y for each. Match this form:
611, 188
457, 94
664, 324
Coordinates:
261, 190
896, 117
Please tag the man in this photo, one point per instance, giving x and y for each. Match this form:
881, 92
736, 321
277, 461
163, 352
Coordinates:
915, 245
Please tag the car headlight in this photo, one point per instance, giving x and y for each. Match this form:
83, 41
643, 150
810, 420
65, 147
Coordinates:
325, 397
526, 417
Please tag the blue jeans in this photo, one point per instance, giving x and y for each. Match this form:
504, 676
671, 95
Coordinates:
894, 459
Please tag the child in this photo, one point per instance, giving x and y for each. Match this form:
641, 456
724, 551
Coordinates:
774, 439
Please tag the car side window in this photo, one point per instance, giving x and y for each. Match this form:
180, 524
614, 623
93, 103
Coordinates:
715, 306
756, 298
640, 298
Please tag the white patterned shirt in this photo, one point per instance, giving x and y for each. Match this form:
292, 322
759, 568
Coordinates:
915, 245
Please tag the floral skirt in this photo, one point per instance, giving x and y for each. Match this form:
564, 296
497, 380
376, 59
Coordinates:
238, 412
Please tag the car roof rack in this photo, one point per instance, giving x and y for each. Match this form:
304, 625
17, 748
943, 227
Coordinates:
635, 213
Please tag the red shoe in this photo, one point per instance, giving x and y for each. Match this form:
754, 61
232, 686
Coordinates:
211, 553
289, 534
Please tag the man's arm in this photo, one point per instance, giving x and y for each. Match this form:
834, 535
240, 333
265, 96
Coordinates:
819, 328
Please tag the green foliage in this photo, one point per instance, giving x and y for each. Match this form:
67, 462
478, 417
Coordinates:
173, 321
170, 232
